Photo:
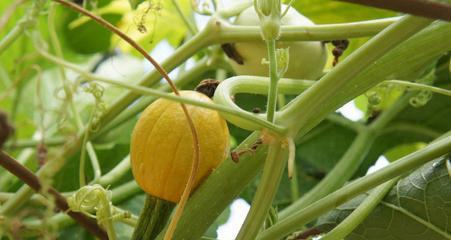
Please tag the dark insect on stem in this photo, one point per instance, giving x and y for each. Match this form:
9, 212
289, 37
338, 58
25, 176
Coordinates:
339, 47
230, 51
235, 155
207, 87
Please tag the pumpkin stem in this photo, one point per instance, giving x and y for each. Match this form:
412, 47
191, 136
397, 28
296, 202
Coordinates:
207, 87
153, 218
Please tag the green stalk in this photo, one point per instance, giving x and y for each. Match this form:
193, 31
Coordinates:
116, 173
234, 33
27, 22
208, 202
153, 218
361, 212
351, 160
339, 175
419, 86
29, 143
86, 145
266, 191
274, 162
296, 221
273, 79
345, 82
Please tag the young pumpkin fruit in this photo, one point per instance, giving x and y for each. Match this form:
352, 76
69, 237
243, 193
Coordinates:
306, 58
162, 146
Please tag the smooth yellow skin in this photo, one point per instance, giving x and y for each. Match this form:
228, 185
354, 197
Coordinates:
162, 146
307, 58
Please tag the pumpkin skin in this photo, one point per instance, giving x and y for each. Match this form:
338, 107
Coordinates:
306, 58
162, 146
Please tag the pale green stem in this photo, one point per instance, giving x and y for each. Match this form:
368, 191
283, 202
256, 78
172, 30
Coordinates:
252, 84
350, 162
323, 32
235, 110
339, 175
274, 78
294, 184
36, 200
266, 191
27, 22
86, 145
343, 83
28, 143
419, 86
107, 223
131, 220
274, 162
116, 173
20, 197
335, 199
361, 212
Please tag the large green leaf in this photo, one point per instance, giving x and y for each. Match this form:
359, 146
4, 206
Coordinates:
417, 208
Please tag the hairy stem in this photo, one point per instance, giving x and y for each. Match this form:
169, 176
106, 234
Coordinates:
266, 191
153, 218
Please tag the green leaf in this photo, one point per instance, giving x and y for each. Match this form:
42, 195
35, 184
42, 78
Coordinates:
417, 208
84, 36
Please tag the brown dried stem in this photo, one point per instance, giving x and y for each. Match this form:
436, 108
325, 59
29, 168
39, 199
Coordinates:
32, 180
429, 9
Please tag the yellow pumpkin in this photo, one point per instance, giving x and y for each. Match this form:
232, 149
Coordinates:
162, 146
